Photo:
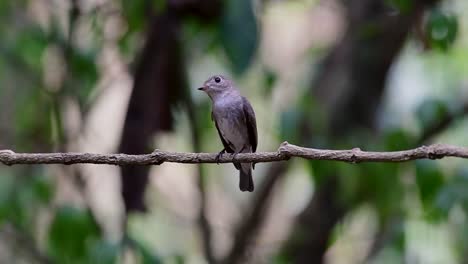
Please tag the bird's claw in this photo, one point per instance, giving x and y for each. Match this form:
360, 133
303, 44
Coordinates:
220, 154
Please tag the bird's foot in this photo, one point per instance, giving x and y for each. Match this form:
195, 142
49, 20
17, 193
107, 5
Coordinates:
234, 155
220, 154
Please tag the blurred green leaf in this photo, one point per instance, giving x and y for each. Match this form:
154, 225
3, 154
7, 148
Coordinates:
179, 259
403, 6
270, 79
71, 233
204, 118
445, 200
84, 72
369, 30
430, 112
239, 34
453, 192
160, 5
430, 179
460, 183
134, 11
33, 109
145, 255
281, 258
25, 197
125, 43
321, 169
5, 7
441, 29
6, 191
30, 45
349, 175
21, 195
290, 125
379, 184
103, 252
398, 139
43, 188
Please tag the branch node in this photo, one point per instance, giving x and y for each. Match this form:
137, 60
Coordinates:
354, 157
433, 152
7, 151
283, 148
4, 154
156, 151
156, 158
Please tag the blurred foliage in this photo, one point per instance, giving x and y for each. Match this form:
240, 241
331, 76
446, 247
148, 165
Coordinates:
403, 6
239, 33
430, 179
68, 244
73, 235
84, 77
441, 29
430, 112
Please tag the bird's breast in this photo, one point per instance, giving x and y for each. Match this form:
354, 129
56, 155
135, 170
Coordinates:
231, 124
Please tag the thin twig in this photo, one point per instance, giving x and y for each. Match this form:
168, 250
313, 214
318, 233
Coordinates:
285, 152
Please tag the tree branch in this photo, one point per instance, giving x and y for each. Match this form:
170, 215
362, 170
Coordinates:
285, 151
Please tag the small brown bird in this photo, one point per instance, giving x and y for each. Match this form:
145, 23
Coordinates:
234, 119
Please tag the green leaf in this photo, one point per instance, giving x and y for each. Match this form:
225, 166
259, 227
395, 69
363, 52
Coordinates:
441, 29
460, 185
103, 252
321, 169
179, 259
71, 232
239, 34
204, 121
430, 112
6, 189
289, 125
30, 45
43, 188
134, 11
453, 192
270, 79
85, 74
146, 256
380, 185
398, 139
159, 5
33, 109
430, 180
404, 6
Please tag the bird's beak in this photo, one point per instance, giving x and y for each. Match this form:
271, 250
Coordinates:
202, 88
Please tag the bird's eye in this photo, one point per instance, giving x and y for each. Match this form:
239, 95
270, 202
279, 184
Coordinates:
217, 79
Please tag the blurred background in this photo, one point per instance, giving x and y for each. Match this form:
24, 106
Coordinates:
112, 76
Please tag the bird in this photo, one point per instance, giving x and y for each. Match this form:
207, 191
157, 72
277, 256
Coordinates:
235, 122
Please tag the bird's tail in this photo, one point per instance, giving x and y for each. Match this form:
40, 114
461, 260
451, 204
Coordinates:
245, 177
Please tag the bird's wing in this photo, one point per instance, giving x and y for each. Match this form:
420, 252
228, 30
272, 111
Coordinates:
226, 143
251, 123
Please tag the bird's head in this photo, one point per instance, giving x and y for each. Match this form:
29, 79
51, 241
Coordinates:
216, 84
